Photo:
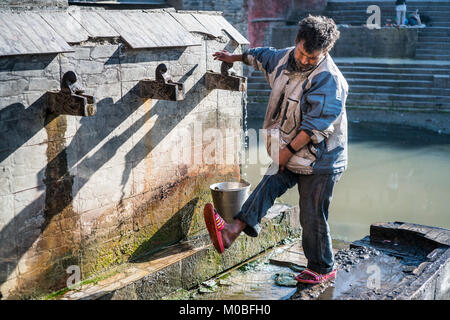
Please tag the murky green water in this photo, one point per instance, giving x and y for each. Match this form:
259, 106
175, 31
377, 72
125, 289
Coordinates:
395, 173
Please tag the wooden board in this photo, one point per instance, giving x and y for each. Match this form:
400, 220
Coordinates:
65, 25
149, 29
94, 24
27, 33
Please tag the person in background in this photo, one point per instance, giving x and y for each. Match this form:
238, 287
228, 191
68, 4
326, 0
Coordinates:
400, 8
414, 19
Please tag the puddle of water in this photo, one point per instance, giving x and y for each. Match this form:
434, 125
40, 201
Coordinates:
254, 281
395, 173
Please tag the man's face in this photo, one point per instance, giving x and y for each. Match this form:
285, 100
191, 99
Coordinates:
307, 61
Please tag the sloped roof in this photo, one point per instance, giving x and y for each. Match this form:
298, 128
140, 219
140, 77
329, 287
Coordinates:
27, 33
51, 31
209, 23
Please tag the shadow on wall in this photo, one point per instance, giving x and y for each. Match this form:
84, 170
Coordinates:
26, 227
174, 230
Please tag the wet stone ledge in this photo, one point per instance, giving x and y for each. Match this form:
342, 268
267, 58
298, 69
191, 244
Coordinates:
187, 264
398, 261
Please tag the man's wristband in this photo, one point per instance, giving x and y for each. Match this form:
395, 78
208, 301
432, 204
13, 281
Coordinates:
290, 148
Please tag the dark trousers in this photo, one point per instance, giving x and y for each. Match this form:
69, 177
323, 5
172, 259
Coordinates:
315, 193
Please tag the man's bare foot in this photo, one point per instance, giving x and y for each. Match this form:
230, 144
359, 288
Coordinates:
231, 232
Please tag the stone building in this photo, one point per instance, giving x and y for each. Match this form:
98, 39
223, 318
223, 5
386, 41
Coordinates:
102, 183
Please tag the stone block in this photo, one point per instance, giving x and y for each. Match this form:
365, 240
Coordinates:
28, 167
43, 84
104, 186
104, 51
13, 87
29, 211
443, 279
89, 67
80, 53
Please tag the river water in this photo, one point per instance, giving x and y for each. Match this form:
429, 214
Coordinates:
395, 173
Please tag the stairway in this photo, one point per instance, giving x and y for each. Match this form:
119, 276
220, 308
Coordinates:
434, 40
376, 84
421, 84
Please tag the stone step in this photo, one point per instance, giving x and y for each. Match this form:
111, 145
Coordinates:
371, 96
439, 39
434, 45
440, 23
390, 83
256, 86
384, 75
388, 89
256, 104
378, 68
394, 71
259, 93
433, 57
397, 103
255, 82
396, 66
434, 32
432, 51
256, 79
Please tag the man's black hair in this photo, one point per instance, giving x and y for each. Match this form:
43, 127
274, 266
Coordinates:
319, 33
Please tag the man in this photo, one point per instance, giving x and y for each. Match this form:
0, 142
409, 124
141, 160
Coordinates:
307, 109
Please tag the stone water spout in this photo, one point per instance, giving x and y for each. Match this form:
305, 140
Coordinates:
71, 100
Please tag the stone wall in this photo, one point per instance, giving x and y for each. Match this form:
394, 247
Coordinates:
379, 43
96, 191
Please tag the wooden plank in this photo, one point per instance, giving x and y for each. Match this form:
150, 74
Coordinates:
230, 29
189, 22
27, 33
65, 25
94, 24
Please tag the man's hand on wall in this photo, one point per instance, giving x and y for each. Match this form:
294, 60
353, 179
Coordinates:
224, 55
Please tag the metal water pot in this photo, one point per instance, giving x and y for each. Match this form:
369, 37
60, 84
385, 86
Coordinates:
228, 198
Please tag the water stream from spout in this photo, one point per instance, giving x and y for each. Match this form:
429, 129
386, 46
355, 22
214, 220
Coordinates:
245, 138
